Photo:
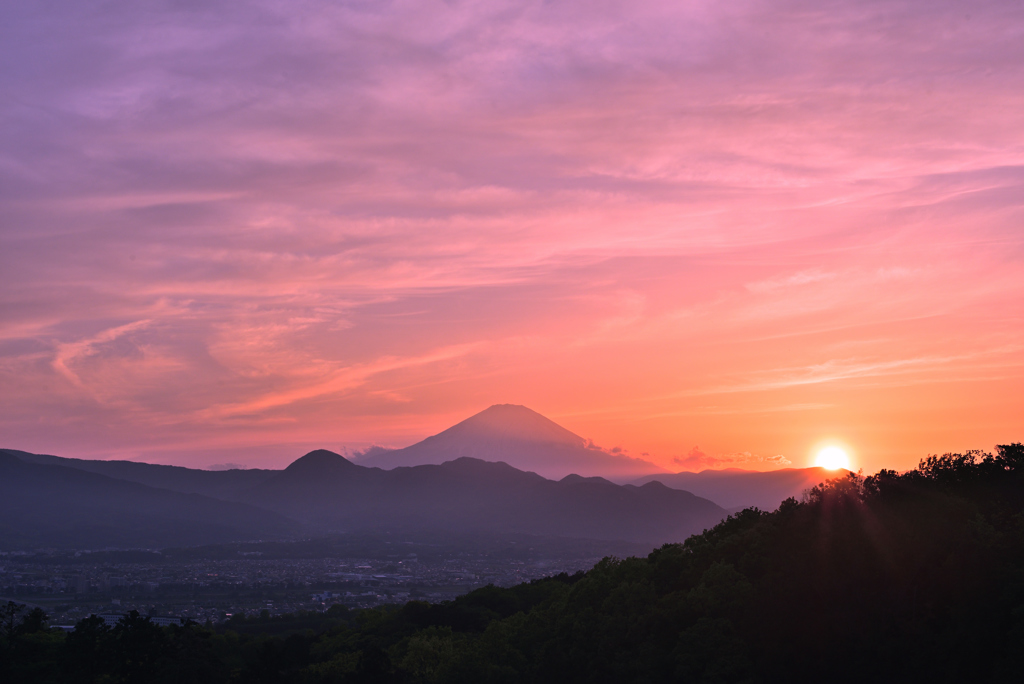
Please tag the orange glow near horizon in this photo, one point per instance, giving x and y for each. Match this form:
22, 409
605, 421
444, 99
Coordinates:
705, 234
832, 458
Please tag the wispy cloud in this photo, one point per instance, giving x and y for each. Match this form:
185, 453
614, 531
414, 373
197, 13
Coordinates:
696, 459
291, 222
835, 370
68, 353
336, 381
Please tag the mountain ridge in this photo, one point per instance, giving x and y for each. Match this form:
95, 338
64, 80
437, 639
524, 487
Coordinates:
322, 492
219, 484
736, 489
521, 437
53, 505
470, 494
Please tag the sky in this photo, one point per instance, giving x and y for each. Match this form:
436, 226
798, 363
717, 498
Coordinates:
709, 234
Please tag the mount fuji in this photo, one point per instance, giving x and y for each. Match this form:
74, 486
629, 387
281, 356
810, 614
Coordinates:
520, 437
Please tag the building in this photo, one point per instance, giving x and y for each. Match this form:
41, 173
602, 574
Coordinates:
111, 619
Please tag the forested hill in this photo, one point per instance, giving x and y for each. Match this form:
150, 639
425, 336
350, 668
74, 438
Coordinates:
913, 577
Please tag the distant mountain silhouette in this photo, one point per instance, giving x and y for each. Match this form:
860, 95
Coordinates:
734, 489
316, 466
520, 437
52, 505
45, 502
327, 491
221, 484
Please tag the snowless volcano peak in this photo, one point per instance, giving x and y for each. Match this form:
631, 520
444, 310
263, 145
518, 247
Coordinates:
522, 438
514, 422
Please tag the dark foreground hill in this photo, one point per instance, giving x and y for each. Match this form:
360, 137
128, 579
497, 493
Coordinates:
52, 505
521, 437
915, 577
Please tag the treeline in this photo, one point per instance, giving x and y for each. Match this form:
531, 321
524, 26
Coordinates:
901, 577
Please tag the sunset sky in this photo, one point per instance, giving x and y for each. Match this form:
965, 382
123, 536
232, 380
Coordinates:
714, 233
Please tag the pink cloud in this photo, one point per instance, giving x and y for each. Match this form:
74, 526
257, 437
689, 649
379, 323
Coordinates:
268, 225
696, 460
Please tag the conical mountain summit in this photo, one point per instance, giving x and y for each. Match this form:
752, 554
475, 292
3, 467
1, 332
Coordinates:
522, 438
319, 462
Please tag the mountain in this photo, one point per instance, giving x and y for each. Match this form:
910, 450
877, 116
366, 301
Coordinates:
735, 489
912, 577
221, 484
52, 505
520, 437
324, 490
44, 502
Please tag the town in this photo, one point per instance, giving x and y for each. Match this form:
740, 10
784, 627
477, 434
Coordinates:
70, 586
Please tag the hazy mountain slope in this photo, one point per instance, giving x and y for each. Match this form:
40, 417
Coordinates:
733, 488
520, 437
325, 490
50, 505
223, 484
60, 505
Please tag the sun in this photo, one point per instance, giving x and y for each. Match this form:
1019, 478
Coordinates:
832, 458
